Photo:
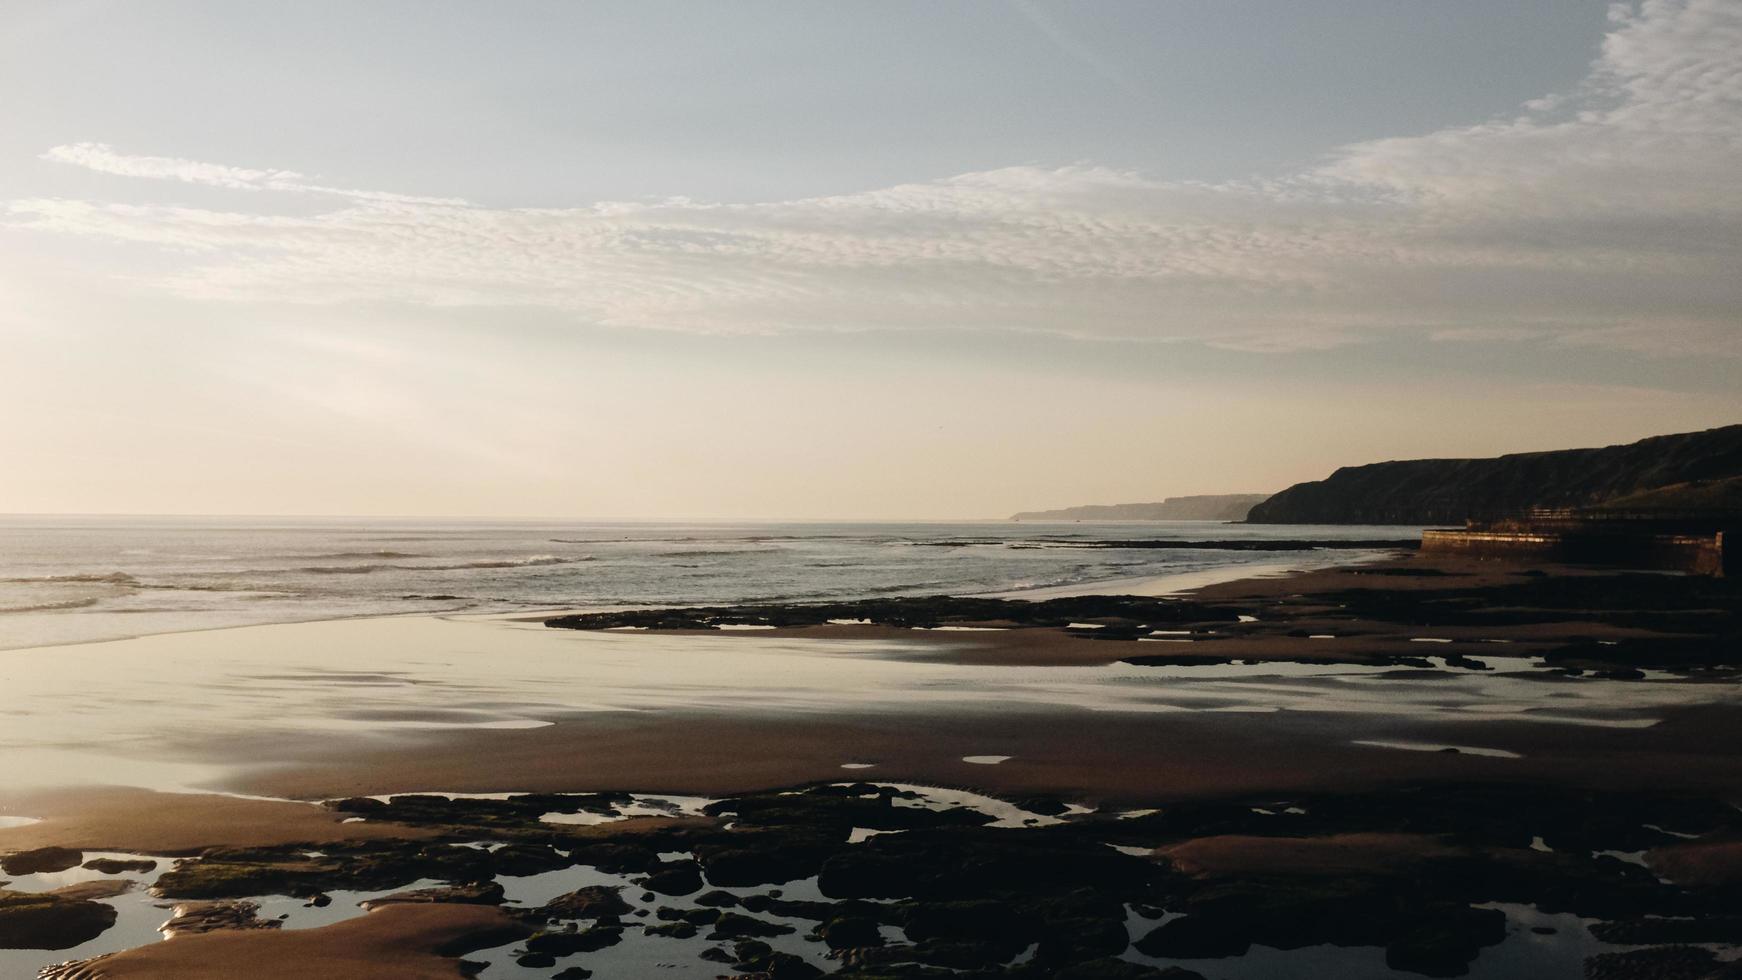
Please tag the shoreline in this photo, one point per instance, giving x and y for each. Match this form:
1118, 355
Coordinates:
1310, 692
661, 743
471, 607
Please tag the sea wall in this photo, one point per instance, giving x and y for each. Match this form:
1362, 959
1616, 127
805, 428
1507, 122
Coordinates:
1701, 554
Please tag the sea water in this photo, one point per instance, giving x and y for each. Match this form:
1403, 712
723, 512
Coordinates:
76, 579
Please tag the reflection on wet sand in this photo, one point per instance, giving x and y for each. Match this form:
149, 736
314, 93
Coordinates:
170, 712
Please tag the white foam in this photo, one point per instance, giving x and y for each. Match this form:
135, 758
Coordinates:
1436, 747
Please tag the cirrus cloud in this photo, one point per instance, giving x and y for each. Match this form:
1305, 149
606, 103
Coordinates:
1603, 215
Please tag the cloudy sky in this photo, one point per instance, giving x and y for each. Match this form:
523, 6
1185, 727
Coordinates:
896, 259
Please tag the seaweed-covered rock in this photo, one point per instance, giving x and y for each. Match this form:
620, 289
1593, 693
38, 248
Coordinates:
364, 866
42, 860
717, 899
675, 878
700, 917
113, 866
193, 918
850, 932
1446, 945
1656, 963
591, 902
733, 925
475, 893
571, 941
45, 921
1112, 969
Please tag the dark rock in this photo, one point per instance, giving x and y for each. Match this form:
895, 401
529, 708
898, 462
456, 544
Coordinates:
571, 941
1446, 945
717, 898
1657, 963
699, 917
37, 921
1050, 806
572, 973
615, 858
1112, 969
42, 860
1724, 929
193, 918
732, 925
112, 866
536, 960
850, 932
476, 893
520, 860
747, 951
1195, 938
364, 866
936, 610
677, 878
591, 902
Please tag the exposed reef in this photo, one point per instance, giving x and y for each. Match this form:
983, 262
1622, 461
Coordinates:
989, 890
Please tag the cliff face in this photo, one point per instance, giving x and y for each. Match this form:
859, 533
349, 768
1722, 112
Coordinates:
1205, 507
1449, 491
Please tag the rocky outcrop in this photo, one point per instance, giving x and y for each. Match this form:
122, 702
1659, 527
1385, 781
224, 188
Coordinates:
1451, 491
49, 921
1204, 507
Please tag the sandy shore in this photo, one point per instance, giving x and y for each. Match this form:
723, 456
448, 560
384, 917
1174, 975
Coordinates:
1136, 749
1314, 710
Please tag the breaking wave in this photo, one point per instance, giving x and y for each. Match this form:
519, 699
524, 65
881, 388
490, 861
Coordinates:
51, 606
532, 562
102, 578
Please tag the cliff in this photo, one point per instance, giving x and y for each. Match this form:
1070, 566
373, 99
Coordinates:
1450, 491
1205, 507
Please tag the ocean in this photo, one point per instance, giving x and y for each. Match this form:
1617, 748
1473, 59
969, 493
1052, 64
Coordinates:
78, 579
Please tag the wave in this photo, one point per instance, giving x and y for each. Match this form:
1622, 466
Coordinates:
531, 562
365, 554
103, 578
51, 606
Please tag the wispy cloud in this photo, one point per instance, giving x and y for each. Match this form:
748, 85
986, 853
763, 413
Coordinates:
102, 158
1603, 215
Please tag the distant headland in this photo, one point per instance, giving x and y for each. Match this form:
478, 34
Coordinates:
1692, 469
1204, 507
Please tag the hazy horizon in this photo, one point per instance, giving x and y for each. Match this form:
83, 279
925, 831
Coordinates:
782, 261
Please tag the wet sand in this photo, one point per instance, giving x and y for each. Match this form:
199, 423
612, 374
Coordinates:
405, 942
484, 705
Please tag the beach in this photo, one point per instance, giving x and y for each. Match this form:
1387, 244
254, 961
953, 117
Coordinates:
1310, 685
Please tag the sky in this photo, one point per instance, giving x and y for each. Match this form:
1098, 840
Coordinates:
894, 260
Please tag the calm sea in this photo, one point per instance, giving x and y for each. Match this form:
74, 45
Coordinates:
73, 579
